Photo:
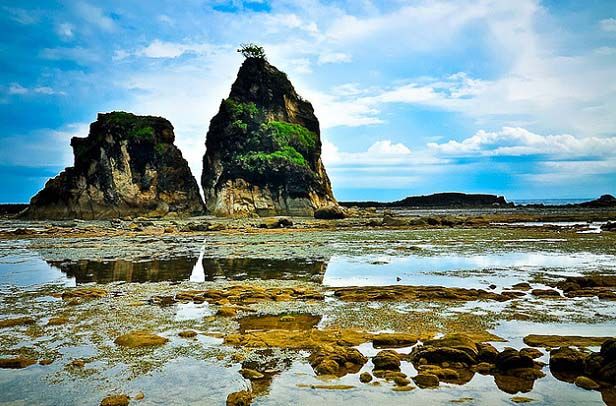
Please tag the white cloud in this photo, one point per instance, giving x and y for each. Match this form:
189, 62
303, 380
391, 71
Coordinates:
188, 94
65, 30
16, 88
334, 57
519, 141
381, 153
608, 24
25, 17
384, 165
164, 49
77, 54
95, 15
45, 147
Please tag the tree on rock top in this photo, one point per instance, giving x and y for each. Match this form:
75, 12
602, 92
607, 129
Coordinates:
252, 50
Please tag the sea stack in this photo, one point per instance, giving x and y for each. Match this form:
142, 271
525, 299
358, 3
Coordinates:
263, 149
128, 165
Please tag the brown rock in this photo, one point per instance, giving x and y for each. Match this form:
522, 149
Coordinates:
531, 353
332, 212
365, 377
393, 340
413, 293
259, 178
115, 400
227, 311
19, 321
387, 360
400, 381
337, 360
521, 399
137, 339
251, 374
513, 359
84, 293
187, 334
586, 383
16, 362
426, 380
538, 340
567, 360
57, 321
241, 398
545, 293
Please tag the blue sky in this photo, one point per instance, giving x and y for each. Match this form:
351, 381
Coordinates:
414, 97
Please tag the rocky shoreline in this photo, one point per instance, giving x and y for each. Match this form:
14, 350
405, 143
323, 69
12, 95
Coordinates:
257, 302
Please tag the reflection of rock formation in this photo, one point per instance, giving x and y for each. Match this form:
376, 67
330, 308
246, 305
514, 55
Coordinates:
86, 271
259, 268
194, 269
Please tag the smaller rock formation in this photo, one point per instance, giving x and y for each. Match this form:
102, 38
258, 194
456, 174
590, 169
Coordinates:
597, 369
603, 201
128, 165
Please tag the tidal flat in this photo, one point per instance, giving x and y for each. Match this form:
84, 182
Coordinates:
430, 307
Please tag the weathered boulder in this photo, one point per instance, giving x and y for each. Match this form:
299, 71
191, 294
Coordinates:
329, 213
136, 339
128, 165
426, 380
263, 149
337, 360
115, 400
16, 362
386, 360
513, 359
365, 377
567, 360
240, 398
585, 382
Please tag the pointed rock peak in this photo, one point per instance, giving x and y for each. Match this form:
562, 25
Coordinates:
263, 148
127, 165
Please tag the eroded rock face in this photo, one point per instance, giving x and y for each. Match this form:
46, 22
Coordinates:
126, 166
263, 149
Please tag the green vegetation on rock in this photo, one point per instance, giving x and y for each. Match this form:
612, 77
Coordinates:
293, 135
144, 133
266, 146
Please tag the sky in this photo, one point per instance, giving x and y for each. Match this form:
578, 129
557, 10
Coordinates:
516, 98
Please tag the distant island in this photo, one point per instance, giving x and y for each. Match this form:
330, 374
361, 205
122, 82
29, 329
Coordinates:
470, 200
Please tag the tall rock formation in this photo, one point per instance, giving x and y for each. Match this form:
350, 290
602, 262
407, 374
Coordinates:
127, 166
263, 149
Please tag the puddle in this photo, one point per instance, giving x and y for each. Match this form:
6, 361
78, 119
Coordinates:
459, 270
